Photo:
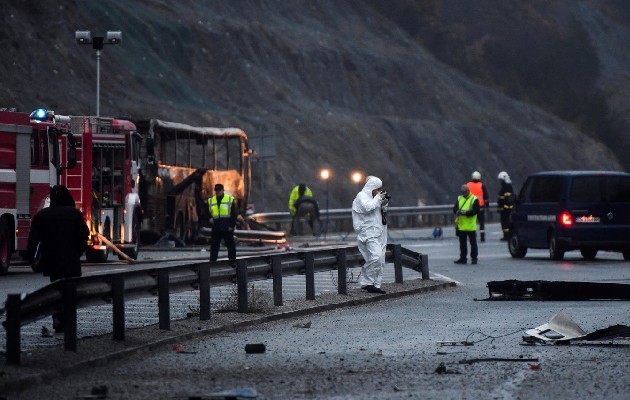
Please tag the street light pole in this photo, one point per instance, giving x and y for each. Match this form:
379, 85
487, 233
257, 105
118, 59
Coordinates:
97, 42
98, 83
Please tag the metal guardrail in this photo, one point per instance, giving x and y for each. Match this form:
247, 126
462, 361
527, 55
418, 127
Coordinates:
73, 293
340, 219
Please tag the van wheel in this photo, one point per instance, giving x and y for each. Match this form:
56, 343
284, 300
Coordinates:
516, 250
626, 254
556, 252
588, 254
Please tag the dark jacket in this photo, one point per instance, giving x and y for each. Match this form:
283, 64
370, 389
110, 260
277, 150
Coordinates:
62, 234
505, 194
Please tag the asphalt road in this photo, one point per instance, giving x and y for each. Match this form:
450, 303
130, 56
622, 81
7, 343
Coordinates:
392, 349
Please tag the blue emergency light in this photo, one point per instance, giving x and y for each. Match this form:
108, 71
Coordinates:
40, 114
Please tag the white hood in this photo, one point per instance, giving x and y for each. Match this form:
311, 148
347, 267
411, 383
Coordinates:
372, 183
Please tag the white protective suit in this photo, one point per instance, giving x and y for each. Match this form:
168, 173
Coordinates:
371, 233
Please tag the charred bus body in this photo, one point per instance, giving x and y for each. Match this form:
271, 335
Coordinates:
180, 166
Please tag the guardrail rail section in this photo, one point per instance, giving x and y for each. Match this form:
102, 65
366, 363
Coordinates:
340, 220
116, 288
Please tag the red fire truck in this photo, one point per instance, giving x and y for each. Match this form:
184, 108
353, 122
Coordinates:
104, 183
33, 155
96, 158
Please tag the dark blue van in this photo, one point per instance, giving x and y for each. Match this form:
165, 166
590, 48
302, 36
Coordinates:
572, 210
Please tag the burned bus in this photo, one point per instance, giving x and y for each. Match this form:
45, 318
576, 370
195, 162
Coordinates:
179, 168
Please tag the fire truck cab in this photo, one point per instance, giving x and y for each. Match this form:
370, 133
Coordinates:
35, 150
104, 183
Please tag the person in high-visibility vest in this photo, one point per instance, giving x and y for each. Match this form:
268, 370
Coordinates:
466, 209
303, 206
223, 215
478, 188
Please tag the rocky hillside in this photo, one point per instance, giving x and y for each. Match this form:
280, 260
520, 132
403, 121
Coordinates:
418, 95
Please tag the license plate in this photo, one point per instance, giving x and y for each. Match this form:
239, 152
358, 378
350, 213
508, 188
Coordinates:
587, 219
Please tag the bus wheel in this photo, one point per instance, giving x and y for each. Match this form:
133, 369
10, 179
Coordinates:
5, 247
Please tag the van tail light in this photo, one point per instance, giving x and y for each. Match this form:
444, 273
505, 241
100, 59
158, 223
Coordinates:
566, 219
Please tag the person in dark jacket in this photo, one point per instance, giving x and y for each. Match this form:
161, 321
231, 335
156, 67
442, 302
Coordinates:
504, 202
57, 240
223, 216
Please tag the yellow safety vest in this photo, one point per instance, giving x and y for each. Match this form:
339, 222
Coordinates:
465, 223
221, 210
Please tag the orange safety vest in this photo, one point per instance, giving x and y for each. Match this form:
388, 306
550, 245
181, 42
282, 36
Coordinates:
475, 188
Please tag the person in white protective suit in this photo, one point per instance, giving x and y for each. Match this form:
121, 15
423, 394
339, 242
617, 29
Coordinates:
368, 220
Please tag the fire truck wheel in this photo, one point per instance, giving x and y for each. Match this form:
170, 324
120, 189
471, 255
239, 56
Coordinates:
5, 247
133, 250
96, 256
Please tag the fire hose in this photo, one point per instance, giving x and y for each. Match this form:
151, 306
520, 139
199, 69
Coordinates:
116, 249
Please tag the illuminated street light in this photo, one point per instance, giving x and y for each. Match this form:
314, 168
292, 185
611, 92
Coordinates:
357, 177
325, 175
97, 42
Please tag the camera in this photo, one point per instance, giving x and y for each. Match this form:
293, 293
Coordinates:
386, 195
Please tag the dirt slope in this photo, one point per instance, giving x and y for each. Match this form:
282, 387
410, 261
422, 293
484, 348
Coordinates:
336, 83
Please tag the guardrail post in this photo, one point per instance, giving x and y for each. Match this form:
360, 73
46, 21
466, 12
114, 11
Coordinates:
241, 285
309, 271
69, 312
424, 264
276, 270
204, 292
12, 325
118, 306
164, 308
342, 272
398, 274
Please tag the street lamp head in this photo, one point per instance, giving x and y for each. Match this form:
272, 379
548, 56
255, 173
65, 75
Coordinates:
324, 174
113, 37
357, 177
97, 42
83, 37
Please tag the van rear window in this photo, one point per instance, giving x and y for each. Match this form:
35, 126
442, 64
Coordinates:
586, 189
618, 189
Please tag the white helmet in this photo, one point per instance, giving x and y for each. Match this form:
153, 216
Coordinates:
476, 175
503, 175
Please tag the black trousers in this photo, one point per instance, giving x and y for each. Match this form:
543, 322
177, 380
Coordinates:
464, 238
505, 221
215, 244
481, 219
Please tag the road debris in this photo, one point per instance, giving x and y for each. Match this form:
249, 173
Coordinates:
245, 393
255, 348
302, 325
46, 332
441, 369
557, 290
562, 329
496, 359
